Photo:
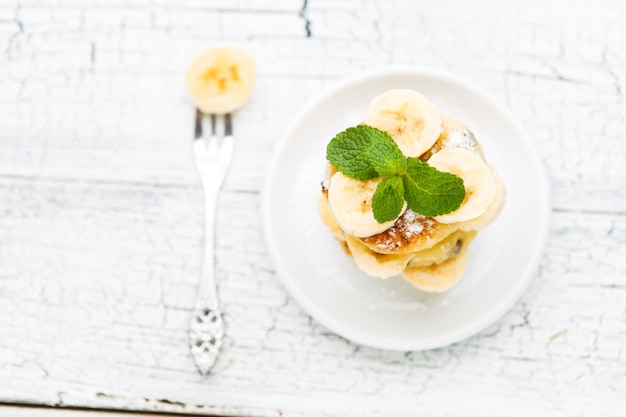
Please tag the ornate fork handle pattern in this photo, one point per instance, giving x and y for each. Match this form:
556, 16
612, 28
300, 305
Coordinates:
205, 337
206, 328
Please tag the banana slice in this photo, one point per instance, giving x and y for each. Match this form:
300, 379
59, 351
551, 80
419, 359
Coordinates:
376, 264
493, 210
350, 202
220, 80
414, 122
329, 171
328, 219
444, 250
479, 185
441, 277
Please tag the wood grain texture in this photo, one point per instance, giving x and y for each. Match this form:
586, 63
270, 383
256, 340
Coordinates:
101, 211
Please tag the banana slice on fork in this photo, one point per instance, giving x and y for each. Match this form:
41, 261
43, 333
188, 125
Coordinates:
220, 80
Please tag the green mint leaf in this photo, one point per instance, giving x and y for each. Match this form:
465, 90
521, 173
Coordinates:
385, 155
430, 192
388, 199
364, 153
348, 151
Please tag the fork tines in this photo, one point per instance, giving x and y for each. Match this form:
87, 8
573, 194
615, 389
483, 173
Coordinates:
216, 129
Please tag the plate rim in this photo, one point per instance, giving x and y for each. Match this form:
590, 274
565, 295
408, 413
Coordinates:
470, 329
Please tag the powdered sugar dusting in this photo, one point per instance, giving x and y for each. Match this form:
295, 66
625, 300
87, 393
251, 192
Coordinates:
409, 224
460, 139
408, 228
414, 228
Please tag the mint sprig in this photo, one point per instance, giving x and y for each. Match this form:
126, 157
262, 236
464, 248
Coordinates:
365, 153
388, 199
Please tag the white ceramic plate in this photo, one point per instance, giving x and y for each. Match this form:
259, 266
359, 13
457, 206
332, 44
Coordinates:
391, 314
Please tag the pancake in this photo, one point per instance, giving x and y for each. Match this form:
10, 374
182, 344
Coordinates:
438, 277
329, 220
412, 232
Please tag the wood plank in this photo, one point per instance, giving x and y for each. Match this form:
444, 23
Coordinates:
19, 410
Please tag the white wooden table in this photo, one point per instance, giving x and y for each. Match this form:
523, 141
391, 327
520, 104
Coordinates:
101, 211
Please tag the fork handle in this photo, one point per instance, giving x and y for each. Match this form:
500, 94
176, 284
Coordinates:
206, 329
207, 292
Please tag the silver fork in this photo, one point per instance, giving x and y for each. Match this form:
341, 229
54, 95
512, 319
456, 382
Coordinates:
212, 155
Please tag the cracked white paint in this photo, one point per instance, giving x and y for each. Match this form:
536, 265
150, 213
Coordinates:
101, 212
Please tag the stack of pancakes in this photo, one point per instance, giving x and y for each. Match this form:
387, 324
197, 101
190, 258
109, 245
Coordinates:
429, 252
